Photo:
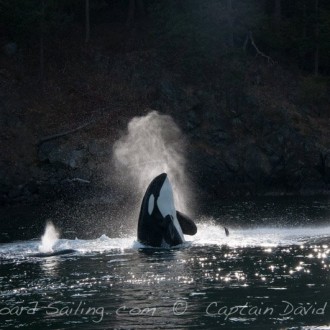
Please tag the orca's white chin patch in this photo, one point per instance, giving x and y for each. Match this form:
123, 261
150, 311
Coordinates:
165, 203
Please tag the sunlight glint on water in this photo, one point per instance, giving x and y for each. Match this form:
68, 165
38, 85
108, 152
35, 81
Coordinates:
259, 267
260, 236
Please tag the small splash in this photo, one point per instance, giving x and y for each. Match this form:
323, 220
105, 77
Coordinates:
49, 238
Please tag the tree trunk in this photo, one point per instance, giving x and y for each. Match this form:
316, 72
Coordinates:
304, 31
141, 8
41, 44
131, 13
317, 35
230, 23
277, 12
135, 8
87, 21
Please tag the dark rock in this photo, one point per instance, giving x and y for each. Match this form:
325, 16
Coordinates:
232, 158
4, 189
75, 158
63, 154
31, 188
45, 149
327, 167
15, 192
217, 136
323, 162
193, 120
10, 48
168, 90
256, 164
100, 148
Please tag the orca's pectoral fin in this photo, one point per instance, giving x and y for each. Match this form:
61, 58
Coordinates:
187, 225
226, 231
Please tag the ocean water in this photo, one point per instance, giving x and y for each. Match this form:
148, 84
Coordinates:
270, 273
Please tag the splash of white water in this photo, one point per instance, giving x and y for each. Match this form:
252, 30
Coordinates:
152, 145
209, 233
49, 238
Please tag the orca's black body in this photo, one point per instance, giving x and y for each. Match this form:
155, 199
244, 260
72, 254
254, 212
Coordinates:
52, 254
160, 225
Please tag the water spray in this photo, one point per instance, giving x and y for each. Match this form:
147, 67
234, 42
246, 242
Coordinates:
49, 238
153, 144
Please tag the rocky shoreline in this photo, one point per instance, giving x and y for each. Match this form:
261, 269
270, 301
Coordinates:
254, 138
283, 166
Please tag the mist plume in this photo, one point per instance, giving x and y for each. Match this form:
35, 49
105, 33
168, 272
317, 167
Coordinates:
153, 144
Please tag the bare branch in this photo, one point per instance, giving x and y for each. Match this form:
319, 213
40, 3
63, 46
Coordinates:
58, 135
77, 180
259, 52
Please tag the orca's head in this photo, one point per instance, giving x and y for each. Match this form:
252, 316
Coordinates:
156, 184
160, 196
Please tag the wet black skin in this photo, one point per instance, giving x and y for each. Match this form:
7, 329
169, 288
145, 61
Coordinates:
52, 254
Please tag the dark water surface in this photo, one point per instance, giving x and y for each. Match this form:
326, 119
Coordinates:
270, 273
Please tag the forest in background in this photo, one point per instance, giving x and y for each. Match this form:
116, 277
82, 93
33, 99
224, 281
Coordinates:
246, 80
295, 32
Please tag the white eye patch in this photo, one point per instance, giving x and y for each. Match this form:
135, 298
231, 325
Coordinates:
151, 204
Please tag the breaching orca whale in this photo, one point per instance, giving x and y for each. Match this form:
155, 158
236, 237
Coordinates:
160, 224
